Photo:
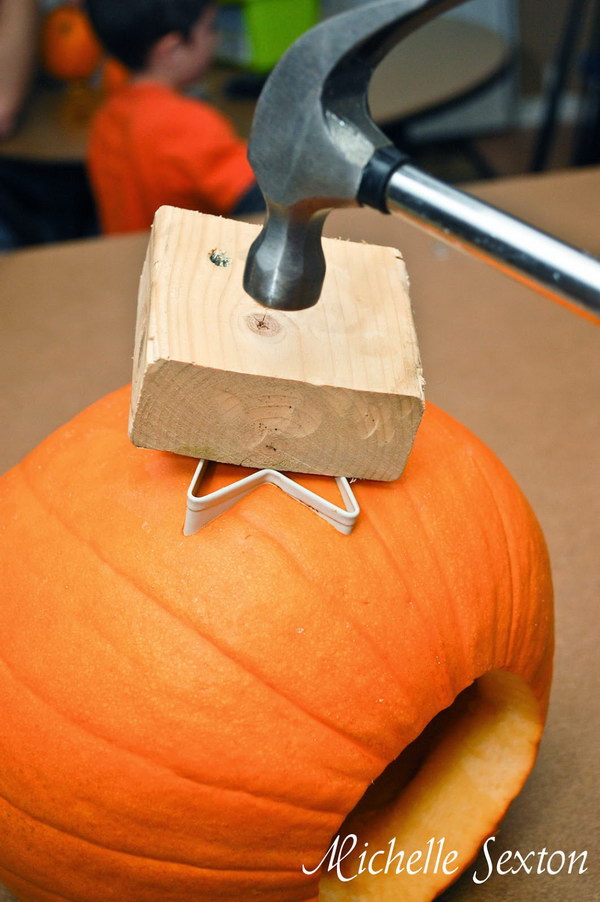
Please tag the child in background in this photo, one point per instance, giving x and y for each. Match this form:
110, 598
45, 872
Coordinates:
150, 145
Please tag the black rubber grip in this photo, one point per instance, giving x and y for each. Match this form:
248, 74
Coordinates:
376, 175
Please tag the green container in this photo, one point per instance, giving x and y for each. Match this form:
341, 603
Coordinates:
256, 33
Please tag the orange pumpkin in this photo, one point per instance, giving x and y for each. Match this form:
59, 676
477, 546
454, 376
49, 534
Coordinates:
194, 717
70, 49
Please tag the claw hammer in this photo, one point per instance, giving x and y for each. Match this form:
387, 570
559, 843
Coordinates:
315, 147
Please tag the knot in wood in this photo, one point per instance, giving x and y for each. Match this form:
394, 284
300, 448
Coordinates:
263, 324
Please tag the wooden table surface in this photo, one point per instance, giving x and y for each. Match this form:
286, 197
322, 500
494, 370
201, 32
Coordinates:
436, 65
522, 372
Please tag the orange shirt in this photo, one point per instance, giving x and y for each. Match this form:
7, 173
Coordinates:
151, 146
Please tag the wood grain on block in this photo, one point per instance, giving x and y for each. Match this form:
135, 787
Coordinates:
335, 389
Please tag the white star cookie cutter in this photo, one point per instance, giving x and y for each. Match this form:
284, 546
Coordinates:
202, 509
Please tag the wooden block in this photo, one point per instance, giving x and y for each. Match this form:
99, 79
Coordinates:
336, 389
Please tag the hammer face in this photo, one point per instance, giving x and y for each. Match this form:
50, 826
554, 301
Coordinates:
286, 266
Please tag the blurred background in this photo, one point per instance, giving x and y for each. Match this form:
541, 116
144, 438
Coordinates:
490, 89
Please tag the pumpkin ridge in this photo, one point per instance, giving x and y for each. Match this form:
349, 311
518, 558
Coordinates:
398, 569
242, 665
299, 565
457, 629
60, 898
515, 588
477, 458
488, 466
448, 427
366, 513
27, 881
123, 852
284, 803
511, 569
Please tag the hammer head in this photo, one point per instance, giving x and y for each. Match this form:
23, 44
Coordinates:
312, 139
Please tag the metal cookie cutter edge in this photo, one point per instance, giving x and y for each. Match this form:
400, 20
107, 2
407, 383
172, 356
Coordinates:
202, 509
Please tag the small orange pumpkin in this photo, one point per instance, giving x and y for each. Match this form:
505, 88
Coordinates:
195, 717
70, 49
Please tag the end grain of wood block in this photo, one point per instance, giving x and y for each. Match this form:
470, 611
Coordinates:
335, 389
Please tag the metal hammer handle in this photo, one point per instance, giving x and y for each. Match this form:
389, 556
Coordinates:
529, 255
